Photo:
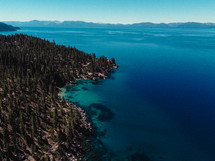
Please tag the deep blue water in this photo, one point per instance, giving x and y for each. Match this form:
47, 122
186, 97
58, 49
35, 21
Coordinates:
163, 94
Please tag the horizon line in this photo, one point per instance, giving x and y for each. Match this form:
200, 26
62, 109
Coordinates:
110, 22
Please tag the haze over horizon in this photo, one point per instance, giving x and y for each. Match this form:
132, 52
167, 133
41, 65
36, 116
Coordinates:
121, 11
61, 21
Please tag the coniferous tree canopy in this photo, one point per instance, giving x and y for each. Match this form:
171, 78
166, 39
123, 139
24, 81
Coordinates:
34, 121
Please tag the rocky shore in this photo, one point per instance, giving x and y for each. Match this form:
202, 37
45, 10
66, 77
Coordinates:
91, 137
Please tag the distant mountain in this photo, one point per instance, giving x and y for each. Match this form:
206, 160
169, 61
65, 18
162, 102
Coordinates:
34, 23
82, 24
5, 27
173, 25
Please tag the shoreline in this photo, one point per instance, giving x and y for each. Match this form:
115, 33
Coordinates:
86, 121
91, 142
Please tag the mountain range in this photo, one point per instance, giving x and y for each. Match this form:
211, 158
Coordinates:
82, 24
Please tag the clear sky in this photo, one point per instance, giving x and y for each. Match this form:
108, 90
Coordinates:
109, 11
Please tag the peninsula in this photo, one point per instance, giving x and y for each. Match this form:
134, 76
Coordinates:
35, 123
4, 27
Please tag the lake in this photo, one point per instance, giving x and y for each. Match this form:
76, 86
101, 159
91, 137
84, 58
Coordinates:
162, 97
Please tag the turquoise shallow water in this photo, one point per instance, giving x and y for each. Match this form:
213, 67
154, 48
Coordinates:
162, 96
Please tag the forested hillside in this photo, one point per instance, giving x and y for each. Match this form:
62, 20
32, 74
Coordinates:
5, 27
34, 122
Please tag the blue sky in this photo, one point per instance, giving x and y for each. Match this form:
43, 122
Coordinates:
109, 11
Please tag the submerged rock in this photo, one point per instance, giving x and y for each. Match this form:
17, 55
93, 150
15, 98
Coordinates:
105, 115
84, 88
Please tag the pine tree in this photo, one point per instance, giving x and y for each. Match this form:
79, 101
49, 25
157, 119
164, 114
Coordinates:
5, 134
33, 124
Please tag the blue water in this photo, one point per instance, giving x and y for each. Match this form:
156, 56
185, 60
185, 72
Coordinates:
163, 94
